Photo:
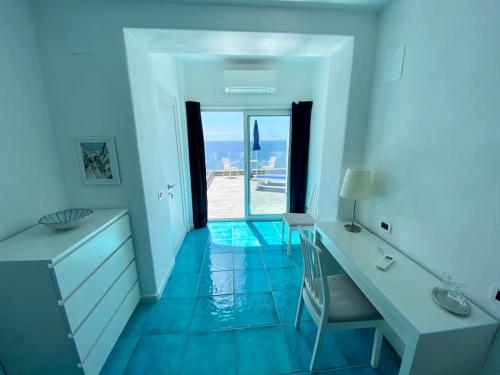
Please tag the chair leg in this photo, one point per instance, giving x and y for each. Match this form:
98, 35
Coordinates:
377, 347
300, 306
289, 246
317, 345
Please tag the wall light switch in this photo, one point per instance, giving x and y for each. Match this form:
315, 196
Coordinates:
160, 195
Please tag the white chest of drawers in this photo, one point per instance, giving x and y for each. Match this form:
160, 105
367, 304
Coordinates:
66, 296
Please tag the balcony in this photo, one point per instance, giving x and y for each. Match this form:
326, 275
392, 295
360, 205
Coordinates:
226, 193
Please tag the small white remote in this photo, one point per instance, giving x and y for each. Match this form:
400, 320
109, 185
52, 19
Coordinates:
385, 262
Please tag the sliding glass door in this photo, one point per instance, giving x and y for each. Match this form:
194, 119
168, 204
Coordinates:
224, 137
267, 164
246, 158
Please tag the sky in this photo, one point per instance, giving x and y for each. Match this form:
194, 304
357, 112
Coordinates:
228, 126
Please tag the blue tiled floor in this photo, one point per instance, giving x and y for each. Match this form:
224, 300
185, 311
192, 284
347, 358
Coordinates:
229, 307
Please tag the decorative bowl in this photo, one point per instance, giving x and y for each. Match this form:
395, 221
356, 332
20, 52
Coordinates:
67, 219
442, 298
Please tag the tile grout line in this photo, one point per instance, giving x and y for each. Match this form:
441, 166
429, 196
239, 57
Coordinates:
237, 331
184, 349
237, 356
131, 352
290, 359
287, 344
201, 270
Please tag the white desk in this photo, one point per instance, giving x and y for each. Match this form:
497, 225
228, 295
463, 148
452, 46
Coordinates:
436, 342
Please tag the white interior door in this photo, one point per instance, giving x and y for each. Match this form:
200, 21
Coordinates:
172, 166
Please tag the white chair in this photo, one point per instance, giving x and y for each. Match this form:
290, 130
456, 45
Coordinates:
228, 167
293, 220
334, 302
271, 164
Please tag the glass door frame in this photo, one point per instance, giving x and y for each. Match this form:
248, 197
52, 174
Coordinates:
247, 155
247, 113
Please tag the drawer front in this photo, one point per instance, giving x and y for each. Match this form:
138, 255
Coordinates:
71, 271
95, 323
100, 352
83, 300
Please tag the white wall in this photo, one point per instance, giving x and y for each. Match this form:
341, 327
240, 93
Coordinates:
325, 81
84, 65
165, 75
316, 141
434, 141
204, 81
168, 74
144, 103
338, 147
150, 74
296, 81
31, 184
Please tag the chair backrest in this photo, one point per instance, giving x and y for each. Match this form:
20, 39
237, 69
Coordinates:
226, 163
315, 277
272, 162
312, 207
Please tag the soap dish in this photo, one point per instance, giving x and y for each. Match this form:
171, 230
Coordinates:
440, 296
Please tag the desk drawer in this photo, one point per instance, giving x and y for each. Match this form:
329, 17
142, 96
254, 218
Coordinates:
83, 300
99, 353
73, 270
95, 323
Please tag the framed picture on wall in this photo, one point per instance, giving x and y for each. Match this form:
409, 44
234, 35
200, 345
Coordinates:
97, 160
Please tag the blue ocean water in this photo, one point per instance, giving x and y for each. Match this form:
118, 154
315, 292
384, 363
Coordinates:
234, 150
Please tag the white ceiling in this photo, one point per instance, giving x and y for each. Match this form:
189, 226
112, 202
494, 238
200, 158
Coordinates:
363, 5
355, 5
236, 43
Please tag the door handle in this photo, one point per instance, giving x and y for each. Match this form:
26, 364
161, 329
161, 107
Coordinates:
170, 186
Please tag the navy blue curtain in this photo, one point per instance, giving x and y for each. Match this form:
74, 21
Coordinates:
299, 150
197, 164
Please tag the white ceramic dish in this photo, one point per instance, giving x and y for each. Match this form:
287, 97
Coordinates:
67, 219
440, 296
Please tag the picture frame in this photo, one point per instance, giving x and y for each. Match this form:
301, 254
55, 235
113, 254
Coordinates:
97, 160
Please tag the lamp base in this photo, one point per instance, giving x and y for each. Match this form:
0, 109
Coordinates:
352, 228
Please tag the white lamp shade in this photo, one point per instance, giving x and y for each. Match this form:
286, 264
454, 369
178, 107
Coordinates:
357, 184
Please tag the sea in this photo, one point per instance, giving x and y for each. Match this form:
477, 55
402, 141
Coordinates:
234, 150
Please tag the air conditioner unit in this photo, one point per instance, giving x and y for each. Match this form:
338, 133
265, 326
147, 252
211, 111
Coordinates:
250, 81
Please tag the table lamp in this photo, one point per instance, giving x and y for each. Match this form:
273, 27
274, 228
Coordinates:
357, 185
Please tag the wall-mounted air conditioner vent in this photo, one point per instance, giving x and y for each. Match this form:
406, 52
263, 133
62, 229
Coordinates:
250, 81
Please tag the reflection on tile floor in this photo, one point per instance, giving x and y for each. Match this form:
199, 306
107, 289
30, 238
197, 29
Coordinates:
229, 307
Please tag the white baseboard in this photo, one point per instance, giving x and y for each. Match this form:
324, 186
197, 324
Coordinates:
152, 298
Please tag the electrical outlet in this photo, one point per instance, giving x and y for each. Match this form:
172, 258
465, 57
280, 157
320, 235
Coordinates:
386, 226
